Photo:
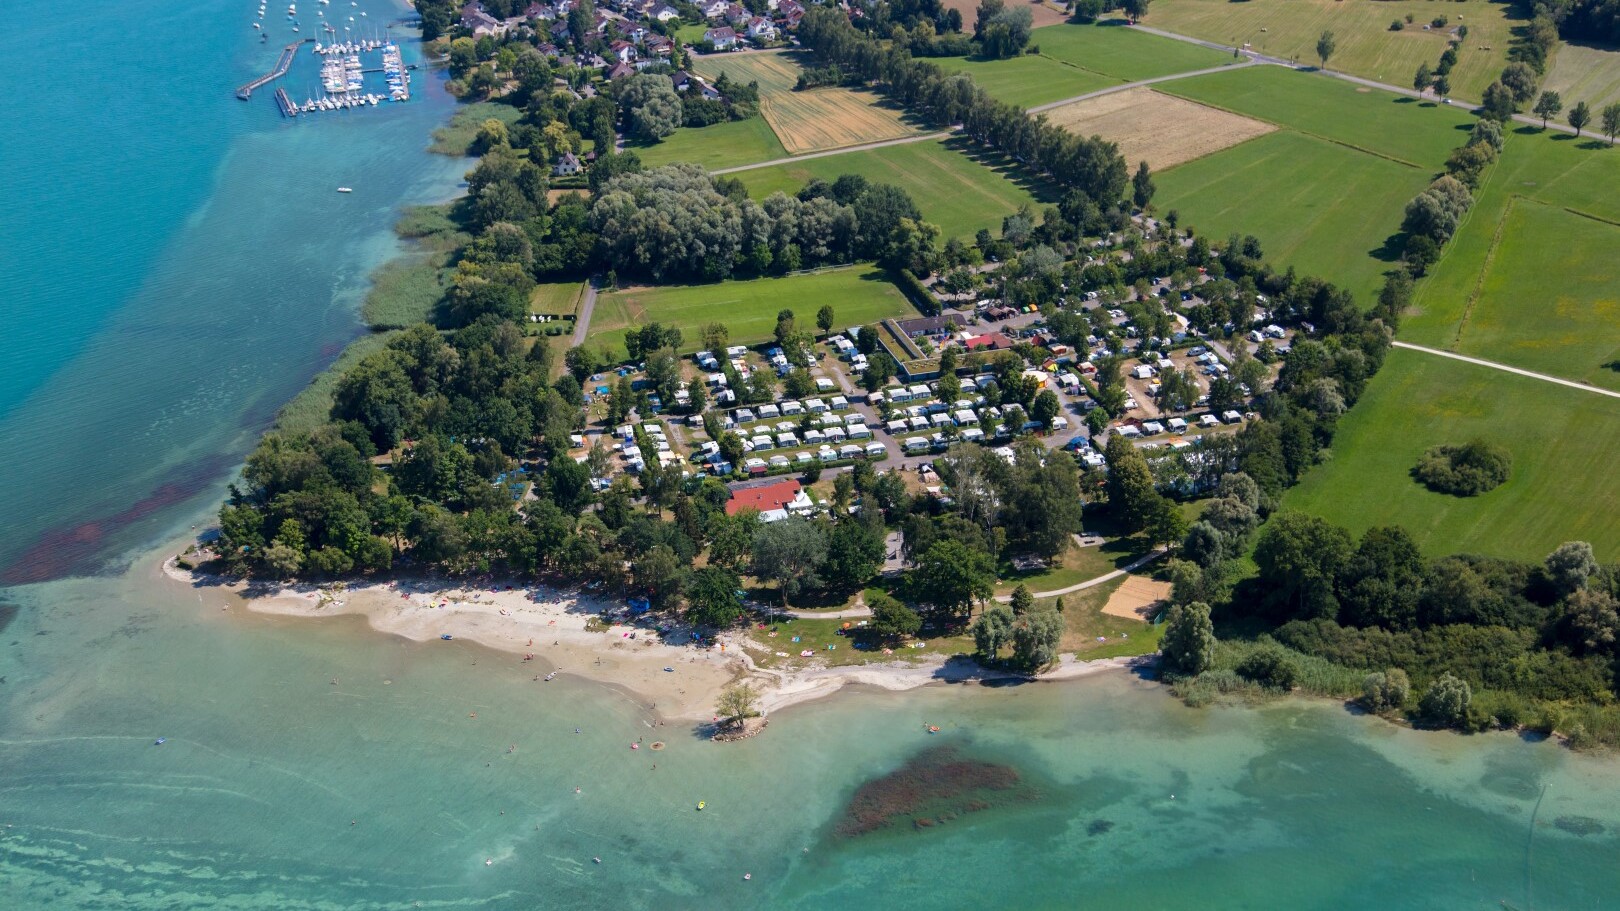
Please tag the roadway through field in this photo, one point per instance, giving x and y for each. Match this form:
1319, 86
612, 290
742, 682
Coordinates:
1479, 362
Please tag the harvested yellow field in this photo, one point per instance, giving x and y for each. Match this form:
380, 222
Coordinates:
811, 121
1161, 130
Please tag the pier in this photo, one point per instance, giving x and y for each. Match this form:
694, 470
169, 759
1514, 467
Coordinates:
282, 64
288, 109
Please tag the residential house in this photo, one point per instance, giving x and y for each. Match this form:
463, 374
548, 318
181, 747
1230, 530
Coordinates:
761, 29
722, 39
566, 165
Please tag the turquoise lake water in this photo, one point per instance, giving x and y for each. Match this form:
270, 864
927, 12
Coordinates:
177, 264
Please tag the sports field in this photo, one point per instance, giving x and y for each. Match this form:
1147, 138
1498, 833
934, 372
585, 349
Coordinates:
1322, 208
955, 192
719, 145
1112, 49
858, 294
1582, 72
810, 121
1027, 81
1562, 440
1421, 134
1162, 130
1366, 46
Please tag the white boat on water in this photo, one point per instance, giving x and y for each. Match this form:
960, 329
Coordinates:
344, 190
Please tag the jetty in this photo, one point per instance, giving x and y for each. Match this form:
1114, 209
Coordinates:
288, 109
282, 64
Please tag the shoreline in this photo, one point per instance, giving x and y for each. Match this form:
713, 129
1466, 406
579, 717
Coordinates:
548, 626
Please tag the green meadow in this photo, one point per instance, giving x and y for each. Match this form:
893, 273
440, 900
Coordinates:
1531, 279
1111, 49
719, 145
1563, 485
1027, 81
1324, 209
954, 191
859, 295
1418, 133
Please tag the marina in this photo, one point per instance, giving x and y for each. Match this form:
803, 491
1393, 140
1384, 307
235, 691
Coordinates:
342, 76
283, 63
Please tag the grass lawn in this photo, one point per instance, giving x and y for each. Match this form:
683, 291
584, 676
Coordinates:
953, 190
1322, 208
859, 295
556, 298
719, 145
1366, 46
1562, 440
1109, 48
1418, 133
1084, 623
1529, 279
1074, 565
1027, 81
1584, 72
456, 138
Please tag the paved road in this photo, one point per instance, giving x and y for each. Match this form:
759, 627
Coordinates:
1586, 387
1139, 83
582, 321
1470, 106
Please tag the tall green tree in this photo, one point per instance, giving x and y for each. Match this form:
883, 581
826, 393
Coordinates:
1188, 645
1325, 46
1579, 116
712, 599
953, 577
789, 553
1548, 106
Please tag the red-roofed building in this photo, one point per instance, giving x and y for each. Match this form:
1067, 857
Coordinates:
772, 501
990, 341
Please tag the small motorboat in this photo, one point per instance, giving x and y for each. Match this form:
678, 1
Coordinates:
344, 190
669, 670
446, 637
160, 741
551, 675
702, 804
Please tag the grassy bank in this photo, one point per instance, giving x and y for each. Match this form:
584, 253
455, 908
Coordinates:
456, 138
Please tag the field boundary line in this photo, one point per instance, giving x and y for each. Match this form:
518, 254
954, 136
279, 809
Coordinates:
1588, 215
1484, 267
827, 153
1518, 371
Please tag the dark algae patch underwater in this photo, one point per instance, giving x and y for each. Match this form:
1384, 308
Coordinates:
932, 788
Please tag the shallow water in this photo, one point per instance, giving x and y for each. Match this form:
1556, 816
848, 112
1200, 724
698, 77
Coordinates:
1142, 802
177, 262
177, 265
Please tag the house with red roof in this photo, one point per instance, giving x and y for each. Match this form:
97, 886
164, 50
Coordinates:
773, 501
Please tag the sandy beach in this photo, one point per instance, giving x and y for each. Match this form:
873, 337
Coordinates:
678, 682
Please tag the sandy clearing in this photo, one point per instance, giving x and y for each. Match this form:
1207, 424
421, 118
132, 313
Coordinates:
1137, 598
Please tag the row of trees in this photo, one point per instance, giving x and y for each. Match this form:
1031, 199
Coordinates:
1092, 166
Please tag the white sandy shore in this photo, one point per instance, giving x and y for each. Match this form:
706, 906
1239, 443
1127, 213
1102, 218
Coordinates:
551, 626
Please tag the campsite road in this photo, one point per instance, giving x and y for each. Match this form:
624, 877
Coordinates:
1138, 563
1587, 387
582, 320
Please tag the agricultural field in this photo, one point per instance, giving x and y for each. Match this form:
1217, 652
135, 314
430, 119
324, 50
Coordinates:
1562, 441
718, 145
1322, 208
1417, 133
954, 191
1048, 13
1583, 72
859, 295
1530, 278
1366, 46
1028, 81
811, 121
1162, 130
1109, 48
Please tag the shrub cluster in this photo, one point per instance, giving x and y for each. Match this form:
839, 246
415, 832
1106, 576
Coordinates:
1465, 471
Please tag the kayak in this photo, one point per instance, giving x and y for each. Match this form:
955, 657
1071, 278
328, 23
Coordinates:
446, 637
160, 741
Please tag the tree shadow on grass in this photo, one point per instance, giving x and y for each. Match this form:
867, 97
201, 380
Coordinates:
1042, 189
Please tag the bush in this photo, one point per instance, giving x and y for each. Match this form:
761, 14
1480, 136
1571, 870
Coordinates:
1465, 471
1446, 702
1397, 26
1385, 691
1271, 668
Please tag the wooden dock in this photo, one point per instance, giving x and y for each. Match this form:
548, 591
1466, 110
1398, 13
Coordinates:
283, 63
288, 109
